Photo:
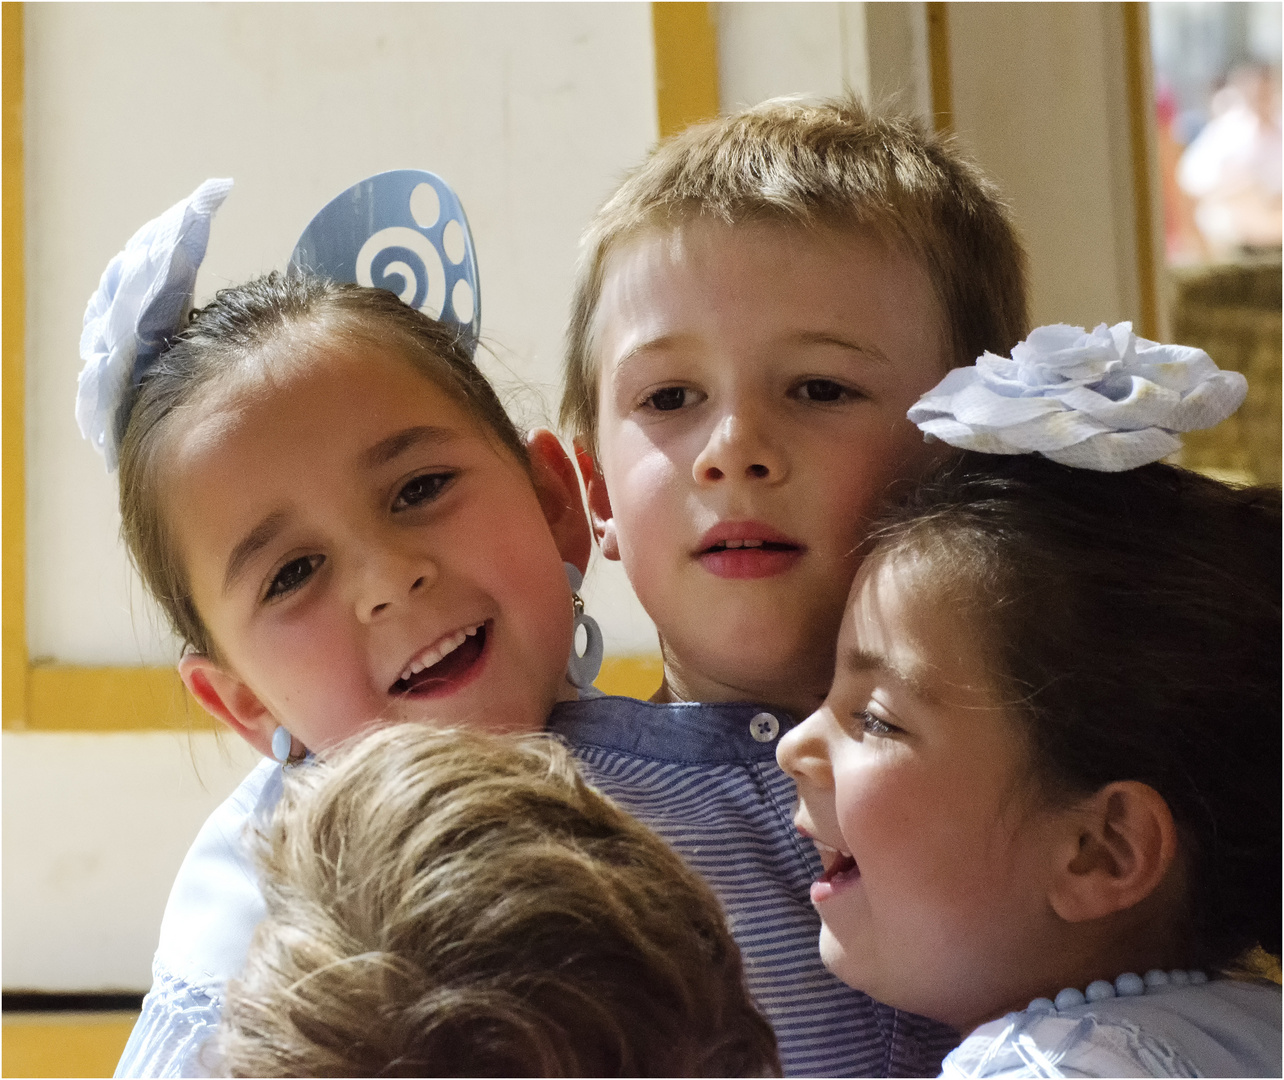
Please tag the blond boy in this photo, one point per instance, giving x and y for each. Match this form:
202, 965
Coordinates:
449, 903
758, 306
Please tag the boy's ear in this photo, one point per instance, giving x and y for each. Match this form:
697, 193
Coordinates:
557, 486
599, 503
1120, 844
224, 696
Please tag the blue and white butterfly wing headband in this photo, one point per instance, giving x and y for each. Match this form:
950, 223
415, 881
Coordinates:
403, 230
1106, 400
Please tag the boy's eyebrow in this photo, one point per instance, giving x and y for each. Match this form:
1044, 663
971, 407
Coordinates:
253, 542
820, 337
652, 344
385, 450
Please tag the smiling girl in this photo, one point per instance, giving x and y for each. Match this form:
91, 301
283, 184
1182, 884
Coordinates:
1046, 779
344, 528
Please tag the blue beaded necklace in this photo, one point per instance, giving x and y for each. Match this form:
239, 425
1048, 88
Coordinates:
1129, 984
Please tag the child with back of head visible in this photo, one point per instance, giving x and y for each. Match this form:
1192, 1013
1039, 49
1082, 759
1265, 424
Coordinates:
345, 529
1047, 775
448, 903
758, 305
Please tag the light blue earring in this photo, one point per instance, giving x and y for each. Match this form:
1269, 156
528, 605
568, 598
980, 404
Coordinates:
282, 744
583, 669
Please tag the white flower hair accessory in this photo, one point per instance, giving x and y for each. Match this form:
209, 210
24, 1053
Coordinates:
142, 299
1106, 400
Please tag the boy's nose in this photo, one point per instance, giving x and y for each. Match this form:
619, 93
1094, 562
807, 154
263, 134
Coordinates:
390, 579
738, 447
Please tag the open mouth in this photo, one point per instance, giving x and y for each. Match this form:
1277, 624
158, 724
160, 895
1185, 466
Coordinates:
750, 545
444, 663
839, 867
747, 550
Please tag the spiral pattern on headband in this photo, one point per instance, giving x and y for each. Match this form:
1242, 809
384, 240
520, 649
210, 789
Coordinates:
404, 231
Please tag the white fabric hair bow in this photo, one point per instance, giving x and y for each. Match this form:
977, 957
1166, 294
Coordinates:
1106, 400
143, 297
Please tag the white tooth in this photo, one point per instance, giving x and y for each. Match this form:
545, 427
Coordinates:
753, 543
473, 631
416, 666
733, 543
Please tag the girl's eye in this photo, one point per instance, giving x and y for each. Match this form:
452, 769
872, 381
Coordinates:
292, 575
872, 725
670, 398
824, 391
422, 489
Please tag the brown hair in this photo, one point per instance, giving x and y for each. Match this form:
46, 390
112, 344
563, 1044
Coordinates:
446, 903
1134, 622
836, 164
233, 336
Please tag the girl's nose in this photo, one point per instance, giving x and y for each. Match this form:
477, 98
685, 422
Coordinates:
804, 752
738, 447
391, 578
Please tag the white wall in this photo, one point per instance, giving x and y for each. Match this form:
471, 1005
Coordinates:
531, 111
876, 51
95, 827
1040, 99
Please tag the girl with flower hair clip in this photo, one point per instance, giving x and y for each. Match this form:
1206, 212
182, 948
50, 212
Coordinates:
343, 526
1046, 780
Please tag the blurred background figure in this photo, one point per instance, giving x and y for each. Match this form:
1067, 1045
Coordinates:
1217, 136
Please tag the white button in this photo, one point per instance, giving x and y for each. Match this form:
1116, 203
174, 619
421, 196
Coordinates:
764, 727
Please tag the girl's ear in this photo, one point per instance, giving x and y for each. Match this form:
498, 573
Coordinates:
224, 696
557, 486
1119, 846
599, 503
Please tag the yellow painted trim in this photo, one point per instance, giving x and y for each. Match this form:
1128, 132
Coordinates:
64, 1044
686, 64
13, 501
631, 676
1136, 20
65, 697
938, 54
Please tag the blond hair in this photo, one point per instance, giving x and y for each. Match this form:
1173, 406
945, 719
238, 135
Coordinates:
451, 903
830, 164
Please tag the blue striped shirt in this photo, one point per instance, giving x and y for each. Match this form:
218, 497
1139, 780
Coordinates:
709, 785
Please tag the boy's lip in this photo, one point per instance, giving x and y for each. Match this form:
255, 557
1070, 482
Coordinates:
747, 549
448, 664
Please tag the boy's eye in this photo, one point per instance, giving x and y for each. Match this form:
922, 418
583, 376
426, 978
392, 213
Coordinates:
872, 725
824, 390
292, 575
423, 488
672, 397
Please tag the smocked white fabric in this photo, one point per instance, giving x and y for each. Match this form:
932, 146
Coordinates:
1106, 400
141, 301
213, 908
1221, 1028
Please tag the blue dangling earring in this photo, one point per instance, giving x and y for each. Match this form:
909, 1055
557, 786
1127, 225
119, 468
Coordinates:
582, 670
282, 744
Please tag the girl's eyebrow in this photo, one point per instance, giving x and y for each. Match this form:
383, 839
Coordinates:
385, 450
253, 542
859, 662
